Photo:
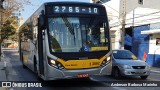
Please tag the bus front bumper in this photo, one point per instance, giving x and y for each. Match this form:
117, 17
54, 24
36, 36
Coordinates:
54, 74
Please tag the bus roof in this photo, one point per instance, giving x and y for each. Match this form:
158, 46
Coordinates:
69, 2
87, 1
64, 3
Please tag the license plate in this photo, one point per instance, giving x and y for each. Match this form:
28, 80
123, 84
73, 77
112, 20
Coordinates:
139, 72
83, 75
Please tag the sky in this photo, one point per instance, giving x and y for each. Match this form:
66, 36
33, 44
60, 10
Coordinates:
30, 9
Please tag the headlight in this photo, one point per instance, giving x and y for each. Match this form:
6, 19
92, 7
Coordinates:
147, 67
55, 63
126, 66
52, 62
106, 61
108, 58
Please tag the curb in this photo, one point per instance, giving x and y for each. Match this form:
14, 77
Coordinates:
155, 71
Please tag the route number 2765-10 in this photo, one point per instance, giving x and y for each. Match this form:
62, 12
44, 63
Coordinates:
71, 9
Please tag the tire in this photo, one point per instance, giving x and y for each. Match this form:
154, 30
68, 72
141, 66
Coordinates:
116, 73
143, 77
36, 71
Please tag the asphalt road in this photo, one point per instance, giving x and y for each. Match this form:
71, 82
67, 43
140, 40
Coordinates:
15, 72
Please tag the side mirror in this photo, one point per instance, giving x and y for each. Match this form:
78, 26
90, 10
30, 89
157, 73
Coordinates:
41, 22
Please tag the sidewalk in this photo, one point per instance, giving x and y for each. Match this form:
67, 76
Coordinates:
155, 69
2, 69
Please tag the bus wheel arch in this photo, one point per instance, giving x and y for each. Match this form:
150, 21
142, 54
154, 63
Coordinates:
36, 69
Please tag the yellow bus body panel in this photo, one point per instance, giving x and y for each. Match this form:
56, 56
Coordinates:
98, 48
81, 64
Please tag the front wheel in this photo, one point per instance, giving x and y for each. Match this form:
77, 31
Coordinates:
116, 73
143, 77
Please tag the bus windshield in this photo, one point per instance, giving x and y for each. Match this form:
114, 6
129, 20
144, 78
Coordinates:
78, 34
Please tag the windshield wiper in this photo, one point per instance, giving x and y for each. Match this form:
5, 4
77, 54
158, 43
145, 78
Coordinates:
70, 27
68, 24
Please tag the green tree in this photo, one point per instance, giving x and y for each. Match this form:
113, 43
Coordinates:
9, 6
9, 28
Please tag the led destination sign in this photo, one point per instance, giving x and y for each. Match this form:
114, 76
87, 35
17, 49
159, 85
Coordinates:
76, 9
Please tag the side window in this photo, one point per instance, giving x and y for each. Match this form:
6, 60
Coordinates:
27, 33
25, 38
35, 32
24, 33
140, 2
35, 28
158, 41
30, 31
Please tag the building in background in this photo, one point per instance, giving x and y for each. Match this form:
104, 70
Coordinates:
142, 27
21, 21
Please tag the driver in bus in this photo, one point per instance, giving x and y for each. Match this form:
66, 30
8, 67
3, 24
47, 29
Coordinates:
86, 47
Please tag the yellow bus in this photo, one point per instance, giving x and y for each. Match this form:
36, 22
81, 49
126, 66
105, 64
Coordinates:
66, 40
